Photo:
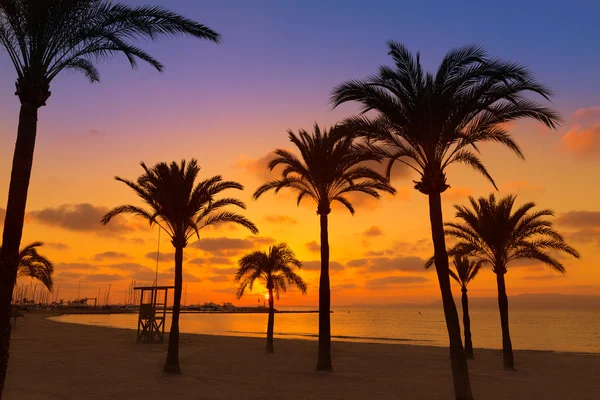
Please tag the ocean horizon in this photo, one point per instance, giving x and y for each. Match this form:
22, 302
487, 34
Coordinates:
562, 330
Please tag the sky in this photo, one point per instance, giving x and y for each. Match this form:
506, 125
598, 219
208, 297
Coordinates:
230, 105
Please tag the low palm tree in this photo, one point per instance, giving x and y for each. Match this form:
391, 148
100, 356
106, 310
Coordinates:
35, 265
494, 234
180, 207
43, 39
275, 269
466, 270
329, 168
430, 121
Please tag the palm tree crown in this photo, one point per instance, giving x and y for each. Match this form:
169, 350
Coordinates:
466, 269
43, 38
273, 268
35, 265
178, 205
429, 122
495, 234
329, 168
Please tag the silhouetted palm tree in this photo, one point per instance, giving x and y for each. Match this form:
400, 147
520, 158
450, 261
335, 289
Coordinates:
275, 269
493, 233
181, 207
466, 270
429, 122
42, 39
328, 169
35, 265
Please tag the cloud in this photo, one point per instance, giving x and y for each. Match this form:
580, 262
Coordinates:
111, 255
313, 247
373, 231
387, 264
457, 193
579, 219
221, 261
379, 253
394, 280
220, 278
316, 266
582, 142
258, 166
280, 219
103, 277
224, 246
137, 241
587, 113
197, 261
344, 286
56, 245
82, 217
75, 266
163, 256
224, 271
585, 235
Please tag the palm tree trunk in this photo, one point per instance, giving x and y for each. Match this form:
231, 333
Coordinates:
467, 324
13, 224
324, 357
270, 324
509, 362
172, 363
460, 370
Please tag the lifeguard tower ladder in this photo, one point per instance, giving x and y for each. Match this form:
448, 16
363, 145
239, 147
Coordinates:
152, 314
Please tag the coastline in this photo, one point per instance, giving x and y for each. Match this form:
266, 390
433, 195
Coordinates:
95, 362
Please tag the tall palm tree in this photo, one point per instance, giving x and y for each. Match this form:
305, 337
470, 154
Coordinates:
35, 265
275, 269
466, 270
180, 207
42, 39
431, 121
494, 234
329, 168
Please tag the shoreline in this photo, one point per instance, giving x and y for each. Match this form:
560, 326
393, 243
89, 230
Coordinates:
97, 362
313, 337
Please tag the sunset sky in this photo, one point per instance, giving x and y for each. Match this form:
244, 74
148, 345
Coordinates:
230, 105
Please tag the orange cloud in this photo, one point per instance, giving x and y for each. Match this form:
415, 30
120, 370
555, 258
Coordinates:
373, 231
587, 113
582, 142
313, 247
457, 193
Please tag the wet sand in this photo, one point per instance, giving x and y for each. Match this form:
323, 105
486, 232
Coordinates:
52, 360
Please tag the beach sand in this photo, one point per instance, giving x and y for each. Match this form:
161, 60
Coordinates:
52, 360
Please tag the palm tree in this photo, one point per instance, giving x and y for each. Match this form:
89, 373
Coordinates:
35, 265
42, 39
274, 269
429, 122
180, 207
493, 234
466, 270
329, 168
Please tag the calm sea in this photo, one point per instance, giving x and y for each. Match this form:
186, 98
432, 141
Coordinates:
535, 329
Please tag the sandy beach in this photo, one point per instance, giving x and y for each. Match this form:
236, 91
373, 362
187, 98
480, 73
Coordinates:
52, 360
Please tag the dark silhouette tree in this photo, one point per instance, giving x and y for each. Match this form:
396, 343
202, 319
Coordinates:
180, 207
494, 234
466, 270
430, 121
35, 265
330, 167
43, 38
275, 269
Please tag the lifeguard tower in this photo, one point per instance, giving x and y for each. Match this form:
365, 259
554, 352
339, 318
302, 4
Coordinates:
152, 314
